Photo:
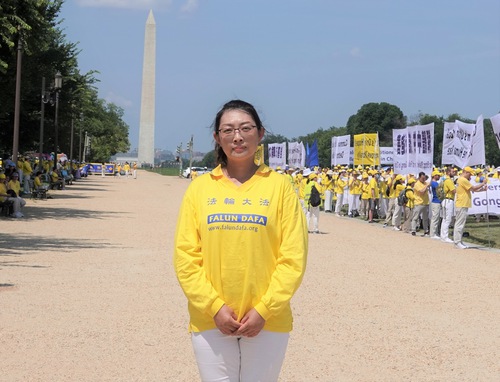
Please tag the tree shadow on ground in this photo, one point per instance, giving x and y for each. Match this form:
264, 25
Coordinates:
58, 195
39, 212
82, 188
17, 245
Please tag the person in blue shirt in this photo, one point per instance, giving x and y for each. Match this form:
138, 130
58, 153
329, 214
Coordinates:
435, 206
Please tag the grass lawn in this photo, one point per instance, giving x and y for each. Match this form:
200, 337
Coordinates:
483, 233
169, 171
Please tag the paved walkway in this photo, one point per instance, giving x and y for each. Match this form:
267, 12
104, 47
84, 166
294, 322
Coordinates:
87, 293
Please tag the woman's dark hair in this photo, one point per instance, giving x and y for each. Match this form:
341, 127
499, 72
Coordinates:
236, 104
396, 182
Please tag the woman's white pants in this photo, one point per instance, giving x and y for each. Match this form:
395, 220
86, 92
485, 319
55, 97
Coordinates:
239, 359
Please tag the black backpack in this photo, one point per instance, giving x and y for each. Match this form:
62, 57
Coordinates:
315, 198
402, 198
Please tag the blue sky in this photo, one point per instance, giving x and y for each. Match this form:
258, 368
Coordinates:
304, 65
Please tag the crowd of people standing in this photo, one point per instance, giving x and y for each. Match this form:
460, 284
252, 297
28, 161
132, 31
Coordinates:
404, 202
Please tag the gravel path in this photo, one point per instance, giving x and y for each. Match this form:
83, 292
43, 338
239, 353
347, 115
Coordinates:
87, 293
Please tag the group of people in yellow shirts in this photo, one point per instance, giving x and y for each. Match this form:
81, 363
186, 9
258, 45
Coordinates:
126, 169
405, 202
29, 175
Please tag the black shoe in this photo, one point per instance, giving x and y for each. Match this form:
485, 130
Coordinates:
413, 233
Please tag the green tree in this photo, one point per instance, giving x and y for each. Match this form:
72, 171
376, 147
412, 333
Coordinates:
208, 160
109, 134
46, 51
378, 118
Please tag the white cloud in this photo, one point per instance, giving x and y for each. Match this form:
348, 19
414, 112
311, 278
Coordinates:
118, 100
129, 4
355, 52
190, 6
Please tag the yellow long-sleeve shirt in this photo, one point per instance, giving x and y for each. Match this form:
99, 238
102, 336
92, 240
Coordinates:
340, 185
244, 246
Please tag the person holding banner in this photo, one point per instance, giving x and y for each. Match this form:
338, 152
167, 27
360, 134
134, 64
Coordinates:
448, 203
463, 202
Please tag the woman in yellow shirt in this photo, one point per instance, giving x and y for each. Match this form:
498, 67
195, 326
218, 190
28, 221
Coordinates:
340, 185
365, 195
327, 189
240, 254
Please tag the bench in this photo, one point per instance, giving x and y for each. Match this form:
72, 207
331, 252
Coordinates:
39, 193
6, 208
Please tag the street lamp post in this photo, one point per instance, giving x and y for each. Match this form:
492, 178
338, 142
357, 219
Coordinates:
42, 117
80, 144
72, 130
17, 101
57, 89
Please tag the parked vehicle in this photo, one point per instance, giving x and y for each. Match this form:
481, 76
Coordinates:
200, 170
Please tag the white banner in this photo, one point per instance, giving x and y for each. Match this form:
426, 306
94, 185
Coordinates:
495, 122
413, 149
477, 154
340, 150
387, 155
457, 143
277, 155
296, 154
486, 201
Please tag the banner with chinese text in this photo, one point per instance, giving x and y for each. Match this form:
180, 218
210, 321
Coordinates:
413, 149
277, 155
477, 155
366, 150
340, 150
296, 154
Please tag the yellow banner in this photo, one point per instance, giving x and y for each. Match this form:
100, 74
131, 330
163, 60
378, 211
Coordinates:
366, 150
259, 155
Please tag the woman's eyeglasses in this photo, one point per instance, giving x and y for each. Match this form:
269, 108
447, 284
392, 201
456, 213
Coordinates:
231, 131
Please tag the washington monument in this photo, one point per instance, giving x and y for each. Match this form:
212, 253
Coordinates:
147, 121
